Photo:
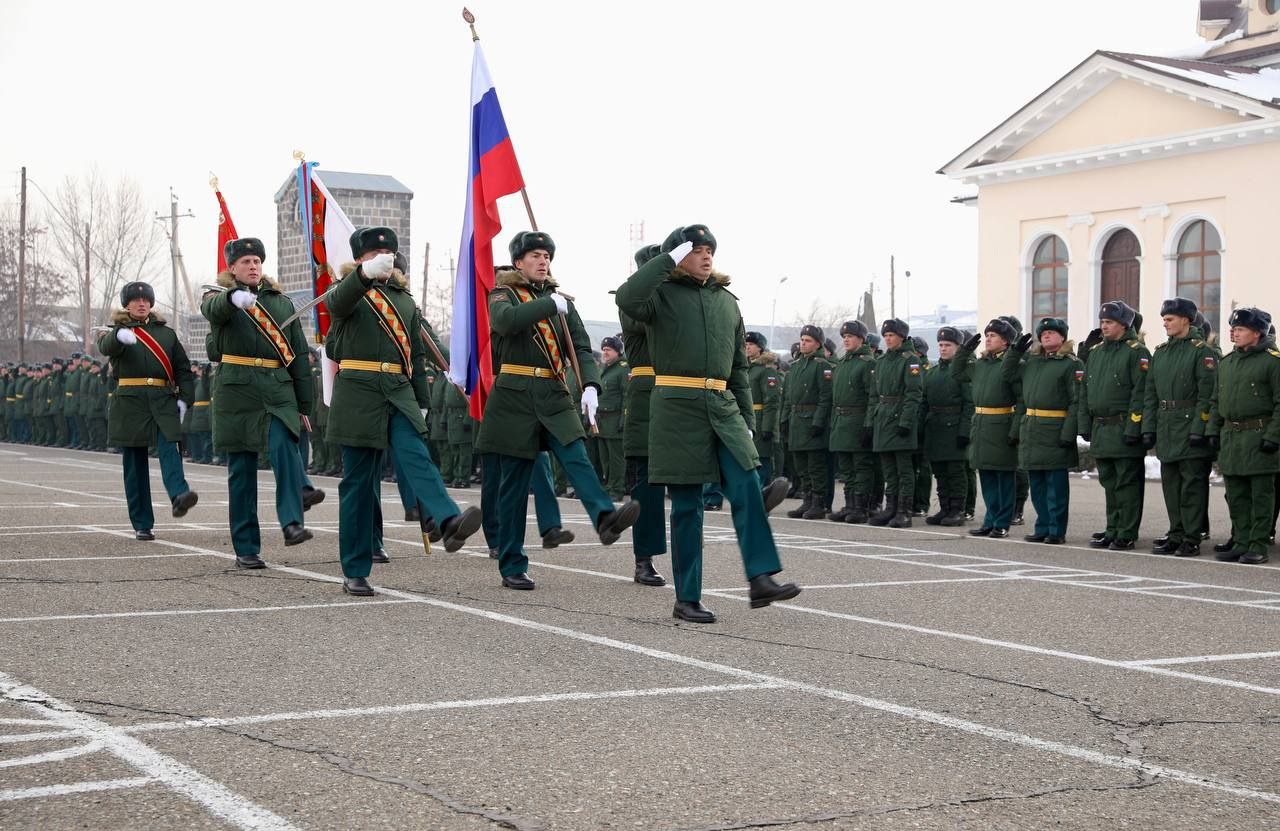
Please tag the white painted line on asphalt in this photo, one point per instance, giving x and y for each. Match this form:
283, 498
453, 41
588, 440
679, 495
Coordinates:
462, 704
808, 586
62, 490
1201, 659
217, 799
72, 788
911, 713
53, 755
181, 612
18, 738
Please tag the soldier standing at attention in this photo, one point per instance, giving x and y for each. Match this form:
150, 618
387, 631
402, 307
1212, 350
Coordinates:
530, 407
378, 401
809, 399
1115, 391
766, 399
155, 389
850, 436
894, 416
996, 425
1246, 418
1048, 375
613, 393
948, 407
1175, 420
701, 409
264, 391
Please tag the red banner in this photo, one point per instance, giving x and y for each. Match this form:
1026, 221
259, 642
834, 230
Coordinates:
226, 230
320, 256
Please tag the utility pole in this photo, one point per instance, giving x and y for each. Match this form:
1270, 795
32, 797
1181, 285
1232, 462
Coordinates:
22, 270
87, 301
426, 269
175, 255
893, 290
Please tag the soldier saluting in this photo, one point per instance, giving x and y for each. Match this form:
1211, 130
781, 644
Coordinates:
700, 410
1246, 417
378, 400
155, 388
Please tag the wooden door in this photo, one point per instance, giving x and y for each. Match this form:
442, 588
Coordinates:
1121, 268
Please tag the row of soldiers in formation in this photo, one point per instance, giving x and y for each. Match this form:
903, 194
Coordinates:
264, 395
55, 404
1018, 406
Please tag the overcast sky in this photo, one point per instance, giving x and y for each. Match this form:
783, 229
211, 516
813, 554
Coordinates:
806, 135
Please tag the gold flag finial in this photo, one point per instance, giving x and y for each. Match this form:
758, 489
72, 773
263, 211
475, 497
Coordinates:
299, 156
213, 180
471, 21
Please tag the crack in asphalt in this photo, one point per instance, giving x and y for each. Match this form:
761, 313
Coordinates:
833, 816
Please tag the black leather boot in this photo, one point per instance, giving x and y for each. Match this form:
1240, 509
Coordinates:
766, 590
797, 513
647, 575
858, 514
890, 511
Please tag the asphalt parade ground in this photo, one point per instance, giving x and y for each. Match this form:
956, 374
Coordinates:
924, 679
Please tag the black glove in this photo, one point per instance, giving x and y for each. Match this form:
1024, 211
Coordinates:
1197, 440
1148, 440
466, 428
1014, 441
902, 429
962, 442
1132, 441
1066, 444
1215, 442
868, 439
815, 431
1024, 343
972, 343
766, 436
1269, 447
1095, 338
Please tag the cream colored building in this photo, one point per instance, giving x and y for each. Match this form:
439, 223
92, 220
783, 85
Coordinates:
1138, 178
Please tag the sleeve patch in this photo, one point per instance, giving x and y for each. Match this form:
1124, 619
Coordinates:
1079, 374
1210, 362
914, 368
1144, 364
771, 381
826, 373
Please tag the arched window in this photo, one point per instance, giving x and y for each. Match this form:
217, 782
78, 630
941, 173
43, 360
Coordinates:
1122, 268
1200, 268
1049, 279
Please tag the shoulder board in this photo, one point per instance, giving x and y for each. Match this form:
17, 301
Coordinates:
1133, 344
731, 294
1196, 343
1095, 346
1274, 352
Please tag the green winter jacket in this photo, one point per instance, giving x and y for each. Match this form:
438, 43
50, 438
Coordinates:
1049, 403
897, 393
948, 412
809, 400
1246, 410
137, 414
1180, 387
1114, 395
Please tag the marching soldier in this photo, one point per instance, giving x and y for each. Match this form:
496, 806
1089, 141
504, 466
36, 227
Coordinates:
701, 409
264, 392
809, 399
851, 437
155, 387
378, 401
1246, 419
1111, 421
1048, 376
613, 393
1175, 419
948, 418
893, 414
766, 399
531, 407
996, 427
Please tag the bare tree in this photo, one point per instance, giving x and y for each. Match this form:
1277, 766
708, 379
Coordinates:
437, 307
829, 317
46, 284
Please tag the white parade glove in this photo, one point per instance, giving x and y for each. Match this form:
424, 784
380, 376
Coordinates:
126, 336
424, 411
681, 251
590, 403
751, 433
378, 267
562, 305
242, 299
182, 410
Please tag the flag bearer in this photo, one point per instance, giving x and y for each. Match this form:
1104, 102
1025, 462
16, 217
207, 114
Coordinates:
1175, 421
155, 389
701, 411
531, 409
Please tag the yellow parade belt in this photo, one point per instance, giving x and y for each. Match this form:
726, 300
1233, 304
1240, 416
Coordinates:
692, 383
143, 382
641, 370
527, 371
372, 366
757, 407
269, 363
993, 410
202, 403
1047, 413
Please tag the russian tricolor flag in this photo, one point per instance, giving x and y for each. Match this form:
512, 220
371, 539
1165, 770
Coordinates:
493, 173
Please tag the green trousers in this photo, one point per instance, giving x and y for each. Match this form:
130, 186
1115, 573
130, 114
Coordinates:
462, 458
1251, 501
1185, 485
242, 488
359, 490
98, 432
997, 494
1122, 482
899, 476
970, 489
857, 469
755, 538
137, 480
951, 479
545, 504
61, 434
614, 463
811, 467
513, 498
1050, 492
924, 482
649, 534
1021, 489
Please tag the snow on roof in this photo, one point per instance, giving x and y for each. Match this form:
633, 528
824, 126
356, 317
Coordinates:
1260, 84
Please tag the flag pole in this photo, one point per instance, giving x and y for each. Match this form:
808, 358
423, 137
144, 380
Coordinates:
533, 225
